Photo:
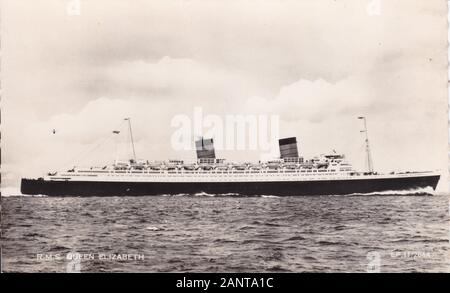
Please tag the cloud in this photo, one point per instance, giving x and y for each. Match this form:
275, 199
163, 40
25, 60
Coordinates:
404, 123
170, 78
64, 60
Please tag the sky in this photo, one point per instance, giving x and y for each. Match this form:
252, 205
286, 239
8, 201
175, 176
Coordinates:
317, 65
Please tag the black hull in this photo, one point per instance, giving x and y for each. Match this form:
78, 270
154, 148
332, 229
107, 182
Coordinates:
283, 188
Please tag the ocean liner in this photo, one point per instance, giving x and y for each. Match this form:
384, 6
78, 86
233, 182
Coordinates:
290, 175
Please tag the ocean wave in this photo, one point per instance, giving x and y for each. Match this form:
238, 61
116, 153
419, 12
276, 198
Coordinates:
14, 192
418, 191
229, 194
204, 194
295, 238
24, 195
175, 195
154, 228
326, 229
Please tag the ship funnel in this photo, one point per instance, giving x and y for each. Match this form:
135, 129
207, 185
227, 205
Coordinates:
205, 149
288, 147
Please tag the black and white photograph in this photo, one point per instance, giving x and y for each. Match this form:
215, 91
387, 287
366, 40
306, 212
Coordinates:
191, 136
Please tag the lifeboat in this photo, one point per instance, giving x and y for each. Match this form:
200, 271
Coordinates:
222, 167
290, 166
138, 167
306, 166
120, 168
190, 167
273, 166
321, 165
171, 167
206, 167
154, 167
239, 166
255, 167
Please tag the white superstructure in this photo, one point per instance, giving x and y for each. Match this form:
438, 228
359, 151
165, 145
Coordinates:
325, 167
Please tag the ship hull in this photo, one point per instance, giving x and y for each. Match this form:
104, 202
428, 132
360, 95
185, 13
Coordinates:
278, 188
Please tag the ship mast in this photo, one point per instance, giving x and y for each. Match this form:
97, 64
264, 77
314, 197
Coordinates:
369, 156
132, 140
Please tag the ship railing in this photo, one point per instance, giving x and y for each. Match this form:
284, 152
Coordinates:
217, 171
212, 171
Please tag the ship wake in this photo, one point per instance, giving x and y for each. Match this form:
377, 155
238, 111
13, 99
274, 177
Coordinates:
409, 192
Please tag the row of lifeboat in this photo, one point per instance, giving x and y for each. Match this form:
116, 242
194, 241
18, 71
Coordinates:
223, 166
